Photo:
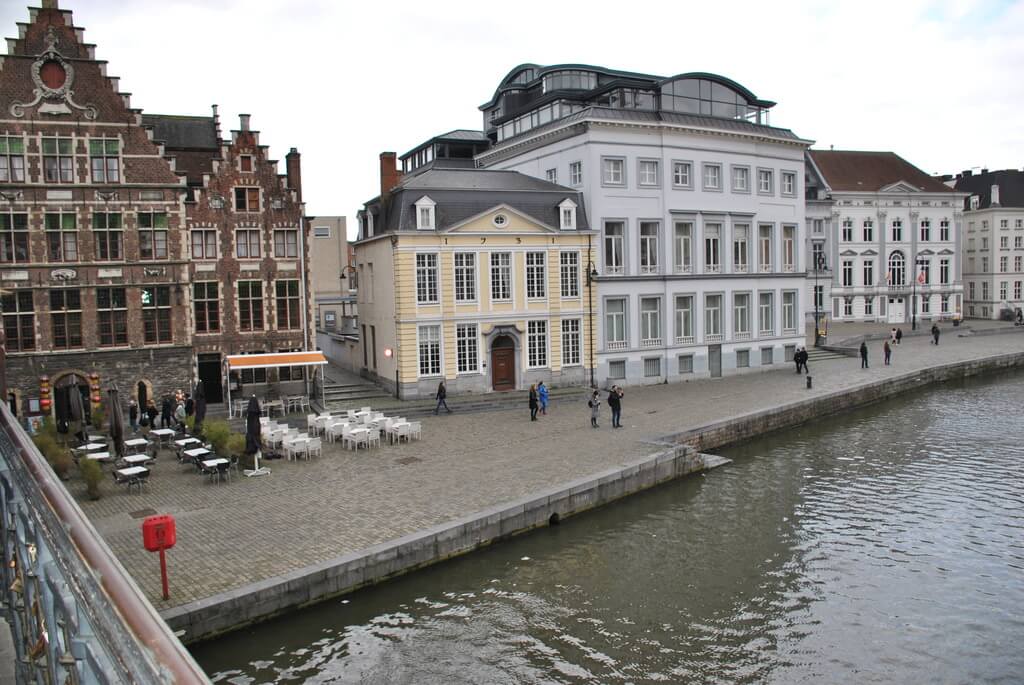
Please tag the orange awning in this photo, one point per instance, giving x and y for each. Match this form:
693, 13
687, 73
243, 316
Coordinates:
275, 359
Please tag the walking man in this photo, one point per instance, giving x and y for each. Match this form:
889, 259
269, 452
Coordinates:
542, 395
615, 405
442, 393
863, 355
595, 407
888, 352
899, 336
935, 332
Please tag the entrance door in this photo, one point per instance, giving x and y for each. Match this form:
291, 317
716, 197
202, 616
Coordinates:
897, 312
503, 364
210, 375
715, 360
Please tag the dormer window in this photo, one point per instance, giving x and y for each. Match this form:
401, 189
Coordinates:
245, 163
425, 214
567, 212
975, 201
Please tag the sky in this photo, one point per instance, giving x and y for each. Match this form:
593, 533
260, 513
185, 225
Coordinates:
937, 82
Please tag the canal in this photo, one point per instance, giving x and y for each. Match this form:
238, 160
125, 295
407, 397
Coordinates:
883, 545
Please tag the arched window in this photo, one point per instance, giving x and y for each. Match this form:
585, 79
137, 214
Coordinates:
897, 269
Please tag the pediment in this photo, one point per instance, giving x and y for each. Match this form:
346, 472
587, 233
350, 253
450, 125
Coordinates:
848, 253
869, 253
946, 251
900, 187
490, 221
926, 253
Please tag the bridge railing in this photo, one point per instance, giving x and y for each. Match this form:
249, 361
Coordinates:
76, 616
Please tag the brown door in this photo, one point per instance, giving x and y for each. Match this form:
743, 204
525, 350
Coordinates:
503, 364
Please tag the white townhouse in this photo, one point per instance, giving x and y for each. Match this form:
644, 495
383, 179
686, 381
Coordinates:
697, 201
886, 237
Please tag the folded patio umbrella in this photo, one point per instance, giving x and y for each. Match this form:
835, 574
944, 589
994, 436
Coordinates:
252, 437
116, 419
77, 409
200, 408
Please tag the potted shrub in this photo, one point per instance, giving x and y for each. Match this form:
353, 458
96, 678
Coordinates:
92, 474
217, 433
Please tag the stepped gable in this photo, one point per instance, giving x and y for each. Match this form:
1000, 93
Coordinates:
50, 78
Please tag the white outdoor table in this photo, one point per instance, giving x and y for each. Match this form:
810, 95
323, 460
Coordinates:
136, 442
132, 471
98, 456
210, 463
185, 441
90, 446
136, 459
95, 438
197, 452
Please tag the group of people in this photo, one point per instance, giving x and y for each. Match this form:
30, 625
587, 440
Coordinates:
895, 338
615, 395
538, 400
172, 413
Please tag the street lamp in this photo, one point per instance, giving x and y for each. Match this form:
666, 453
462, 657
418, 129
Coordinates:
913, 297
353, 281
819, 266
591, 277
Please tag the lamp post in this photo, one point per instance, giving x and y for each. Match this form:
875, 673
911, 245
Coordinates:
591, 277
819, 266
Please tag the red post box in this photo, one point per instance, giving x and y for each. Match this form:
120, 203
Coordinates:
159, 534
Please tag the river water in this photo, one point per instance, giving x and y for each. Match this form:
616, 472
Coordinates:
884, 545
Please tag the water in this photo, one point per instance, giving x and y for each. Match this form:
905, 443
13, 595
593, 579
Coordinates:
880, 546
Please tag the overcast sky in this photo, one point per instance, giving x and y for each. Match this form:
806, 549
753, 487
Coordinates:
939, 83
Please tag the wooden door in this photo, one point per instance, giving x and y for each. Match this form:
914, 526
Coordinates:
503, 368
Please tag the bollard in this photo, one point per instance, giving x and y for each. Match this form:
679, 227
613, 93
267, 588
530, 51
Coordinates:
809, 382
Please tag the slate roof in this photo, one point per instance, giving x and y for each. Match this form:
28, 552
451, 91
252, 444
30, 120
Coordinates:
463, 134
849, 170
183, 132
1010, 182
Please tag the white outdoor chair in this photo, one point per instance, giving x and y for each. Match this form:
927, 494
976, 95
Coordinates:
335, 430
347, 437
351, 413
360, 438
310, 423
314, 448
365, 409
403, 431
415, 429
293, 448
373, 436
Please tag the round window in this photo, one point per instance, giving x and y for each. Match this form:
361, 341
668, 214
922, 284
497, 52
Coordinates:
53, 74
500, 220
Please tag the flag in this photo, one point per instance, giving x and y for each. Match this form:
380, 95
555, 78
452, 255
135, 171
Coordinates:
920, 278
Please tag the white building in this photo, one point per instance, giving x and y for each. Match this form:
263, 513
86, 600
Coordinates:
698, 203
888, 238
994, 249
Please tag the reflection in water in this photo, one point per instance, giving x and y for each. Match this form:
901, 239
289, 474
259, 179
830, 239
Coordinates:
885, 545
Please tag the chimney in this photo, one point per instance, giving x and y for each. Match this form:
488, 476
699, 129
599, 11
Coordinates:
244, 121
390, 176
49, 4
967, 173
293, 169
994, 202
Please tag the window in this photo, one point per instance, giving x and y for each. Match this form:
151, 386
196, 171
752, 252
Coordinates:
321, 231
1004, 242
926, 230
650, 322
897, 230
288, 308
925, 269
970, 290
869, 230
615, 324
712, 318
984, 290
61, 237
682, 174
1016, 290
848, 307
205, 299
249, 376
286, 244
204, 244
984, 243
66, 318
576, 173
712, 177
245, 163
1003, 289
571, 342
684, 319
819, 297
1018, 242
712, 254
741, 315
869, 306
1004, 263
789, 248
741, 179
58, 162
568, 215
426, 279
613, 173
765, 182
12, 159
537, 343
152, 235
649, 172
250, 305
847, 235
425, 214
764, 247
767, 356
742, 359
682, 247
649, 247
156, 314
818, 262
330, 320
501, 276
107, 234
466, 348
293, 373
897, 269
19, 321
247, 199
944, 230
104, 160
1017, 263
569, 270
1004, 223
247, 243
685, 363
652, 367
112, 316
465, 277
14, 238
788, 183
430, 350
766, 314
617, 369
739, 248
869, 272
847, 273
789, 311
944, 271
536, 281
944, 304
613, 246
984, 265
819, 226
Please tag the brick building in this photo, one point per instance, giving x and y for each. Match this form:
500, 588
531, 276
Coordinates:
102, 211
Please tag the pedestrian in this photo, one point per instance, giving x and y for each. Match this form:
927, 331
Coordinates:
899, 335
133, 415
863, 355
190, 405
442, 393
542, 395
166, 412
798, 359
179, 416
888, 352
151, 414
615, 404
935, 332
595, 407
892, 335
803, 358
533, 403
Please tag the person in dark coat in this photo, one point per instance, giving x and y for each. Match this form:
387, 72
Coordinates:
534, 402
152, 413
935, 332
595, 409
863, 355
166, 413
190, 405
887, 350
615, 404
133, 416
899, 335
442, 393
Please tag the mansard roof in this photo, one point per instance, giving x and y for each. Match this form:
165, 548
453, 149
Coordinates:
854, 170
1010, 182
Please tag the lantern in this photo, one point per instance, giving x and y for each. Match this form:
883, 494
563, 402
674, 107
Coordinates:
44, 393
94, 389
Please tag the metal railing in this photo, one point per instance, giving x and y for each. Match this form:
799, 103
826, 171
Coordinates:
76, 616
